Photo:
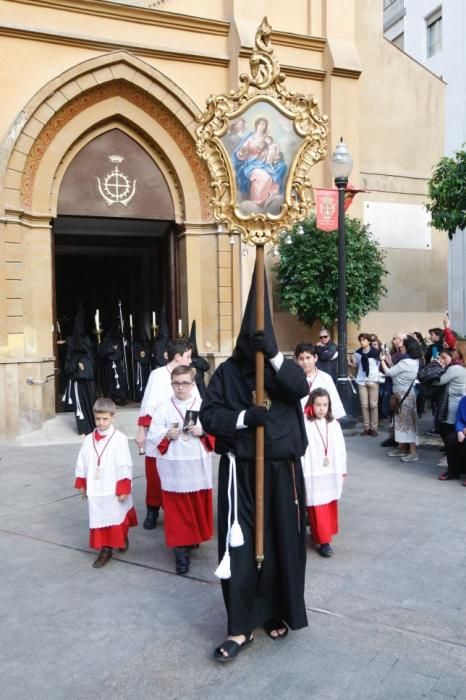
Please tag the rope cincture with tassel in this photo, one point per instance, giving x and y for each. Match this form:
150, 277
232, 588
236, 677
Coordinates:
235, 537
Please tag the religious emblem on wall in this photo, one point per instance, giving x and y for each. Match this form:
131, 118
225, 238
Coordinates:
116, 187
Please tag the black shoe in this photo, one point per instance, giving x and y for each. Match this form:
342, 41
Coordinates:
181, 560
389, 442
150, 523
325, 550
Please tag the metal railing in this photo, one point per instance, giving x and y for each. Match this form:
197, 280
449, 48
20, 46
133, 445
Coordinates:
32, 381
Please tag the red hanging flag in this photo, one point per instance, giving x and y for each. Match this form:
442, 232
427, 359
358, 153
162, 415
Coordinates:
326, 209
350, 194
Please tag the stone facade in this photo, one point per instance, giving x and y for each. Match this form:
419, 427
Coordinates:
75, 69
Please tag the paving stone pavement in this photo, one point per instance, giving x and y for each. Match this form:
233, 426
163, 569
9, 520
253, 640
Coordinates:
386, 612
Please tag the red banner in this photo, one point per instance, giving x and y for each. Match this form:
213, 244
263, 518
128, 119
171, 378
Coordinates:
326, 209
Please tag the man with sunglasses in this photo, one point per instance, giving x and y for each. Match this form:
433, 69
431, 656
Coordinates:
327, 353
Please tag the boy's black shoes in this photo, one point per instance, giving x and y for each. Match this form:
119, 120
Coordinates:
325, 550
181, 559
150, 523
104, 555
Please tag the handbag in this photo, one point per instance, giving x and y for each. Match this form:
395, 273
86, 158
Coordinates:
395, 403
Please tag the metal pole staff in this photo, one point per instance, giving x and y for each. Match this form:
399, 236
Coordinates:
122, 328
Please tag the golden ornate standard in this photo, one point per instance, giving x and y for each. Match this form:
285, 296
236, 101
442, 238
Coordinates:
295, 118
260, 143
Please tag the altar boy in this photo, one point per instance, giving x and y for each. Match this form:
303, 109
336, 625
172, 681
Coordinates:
103, 475
185, 467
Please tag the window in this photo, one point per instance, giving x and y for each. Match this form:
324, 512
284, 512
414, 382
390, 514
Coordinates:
434, 33
393, 11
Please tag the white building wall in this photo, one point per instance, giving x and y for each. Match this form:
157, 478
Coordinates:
450, 65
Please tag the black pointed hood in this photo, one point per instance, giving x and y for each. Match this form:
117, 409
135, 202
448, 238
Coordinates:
78, 333
243, 352
192, 339
161, 343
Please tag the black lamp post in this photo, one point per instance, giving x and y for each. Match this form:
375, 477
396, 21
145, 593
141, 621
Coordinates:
341, 164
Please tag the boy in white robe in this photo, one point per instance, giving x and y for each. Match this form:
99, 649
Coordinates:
104, 475
157, 390
185, 466
324, 467
306, 356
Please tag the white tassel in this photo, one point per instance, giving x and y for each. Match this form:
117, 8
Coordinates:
223, 569
79, 412
236, 535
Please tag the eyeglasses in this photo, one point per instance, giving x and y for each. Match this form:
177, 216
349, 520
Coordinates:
321, 337
180, 385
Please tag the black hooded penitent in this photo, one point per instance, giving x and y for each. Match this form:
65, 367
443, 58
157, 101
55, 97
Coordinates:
253, 597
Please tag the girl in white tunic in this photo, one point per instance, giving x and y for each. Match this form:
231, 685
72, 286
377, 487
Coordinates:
324, 466
104, 475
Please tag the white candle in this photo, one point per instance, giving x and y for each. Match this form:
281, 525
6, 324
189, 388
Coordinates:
180, 327
153, 318
97, 320
131, 320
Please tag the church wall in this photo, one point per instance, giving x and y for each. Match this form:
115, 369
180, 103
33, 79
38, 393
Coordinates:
51, 57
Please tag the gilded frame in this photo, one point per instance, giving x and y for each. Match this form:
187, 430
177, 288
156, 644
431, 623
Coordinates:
265, 86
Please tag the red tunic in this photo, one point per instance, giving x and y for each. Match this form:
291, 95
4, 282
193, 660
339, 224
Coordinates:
115, 535
153, 486
324, 522
188, 517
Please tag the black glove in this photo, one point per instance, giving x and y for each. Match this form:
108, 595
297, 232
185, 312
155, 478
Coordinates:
261, 342
256, 415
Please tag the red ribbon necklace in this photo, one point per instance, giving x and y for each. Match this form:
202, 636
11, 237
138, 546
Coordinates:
99, 454
188, 409
326, 461
311, 381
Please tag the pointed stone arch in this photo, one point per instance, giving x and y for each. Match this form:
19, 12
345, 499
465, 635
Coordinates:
117, 86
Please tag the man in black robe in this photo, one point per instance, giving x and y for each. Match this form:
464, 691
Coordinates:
273, 596
80, 390
115, 383
160, 343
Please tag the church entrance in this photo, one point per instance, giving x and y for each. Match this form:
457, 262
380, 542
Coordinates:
115, 246
120, 269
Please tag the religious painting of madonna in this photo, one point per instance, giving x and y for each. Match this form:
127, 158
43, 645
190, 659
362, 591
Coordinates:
261, 144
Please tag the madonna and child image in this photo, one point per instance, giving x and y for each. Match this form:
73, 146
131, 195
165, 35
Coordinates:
261, 145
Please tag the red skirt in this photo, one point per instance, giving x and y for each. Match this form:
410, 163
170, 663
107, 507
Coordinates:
114, 535
324, 522
188, 517
153, 485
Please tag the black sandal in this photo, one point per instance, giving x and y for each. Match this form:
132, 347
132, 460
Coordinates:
274, 625
232, 649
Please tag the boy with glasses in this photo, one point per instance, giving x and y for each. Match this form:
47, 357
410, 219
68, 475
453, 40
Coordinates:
158, 389
327, 353
184, 464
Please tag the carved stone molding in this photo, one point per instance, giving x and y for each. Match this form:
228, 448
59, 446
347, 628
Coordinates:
155, 109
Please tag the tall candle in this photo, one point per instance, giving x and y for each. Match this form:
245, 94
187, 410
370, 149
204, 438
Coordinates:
131, 320
180, 327
153, 318
97, 320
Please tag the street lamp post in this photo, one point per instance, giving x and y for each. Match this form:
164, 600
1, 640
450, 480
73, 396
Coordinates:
341, 164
